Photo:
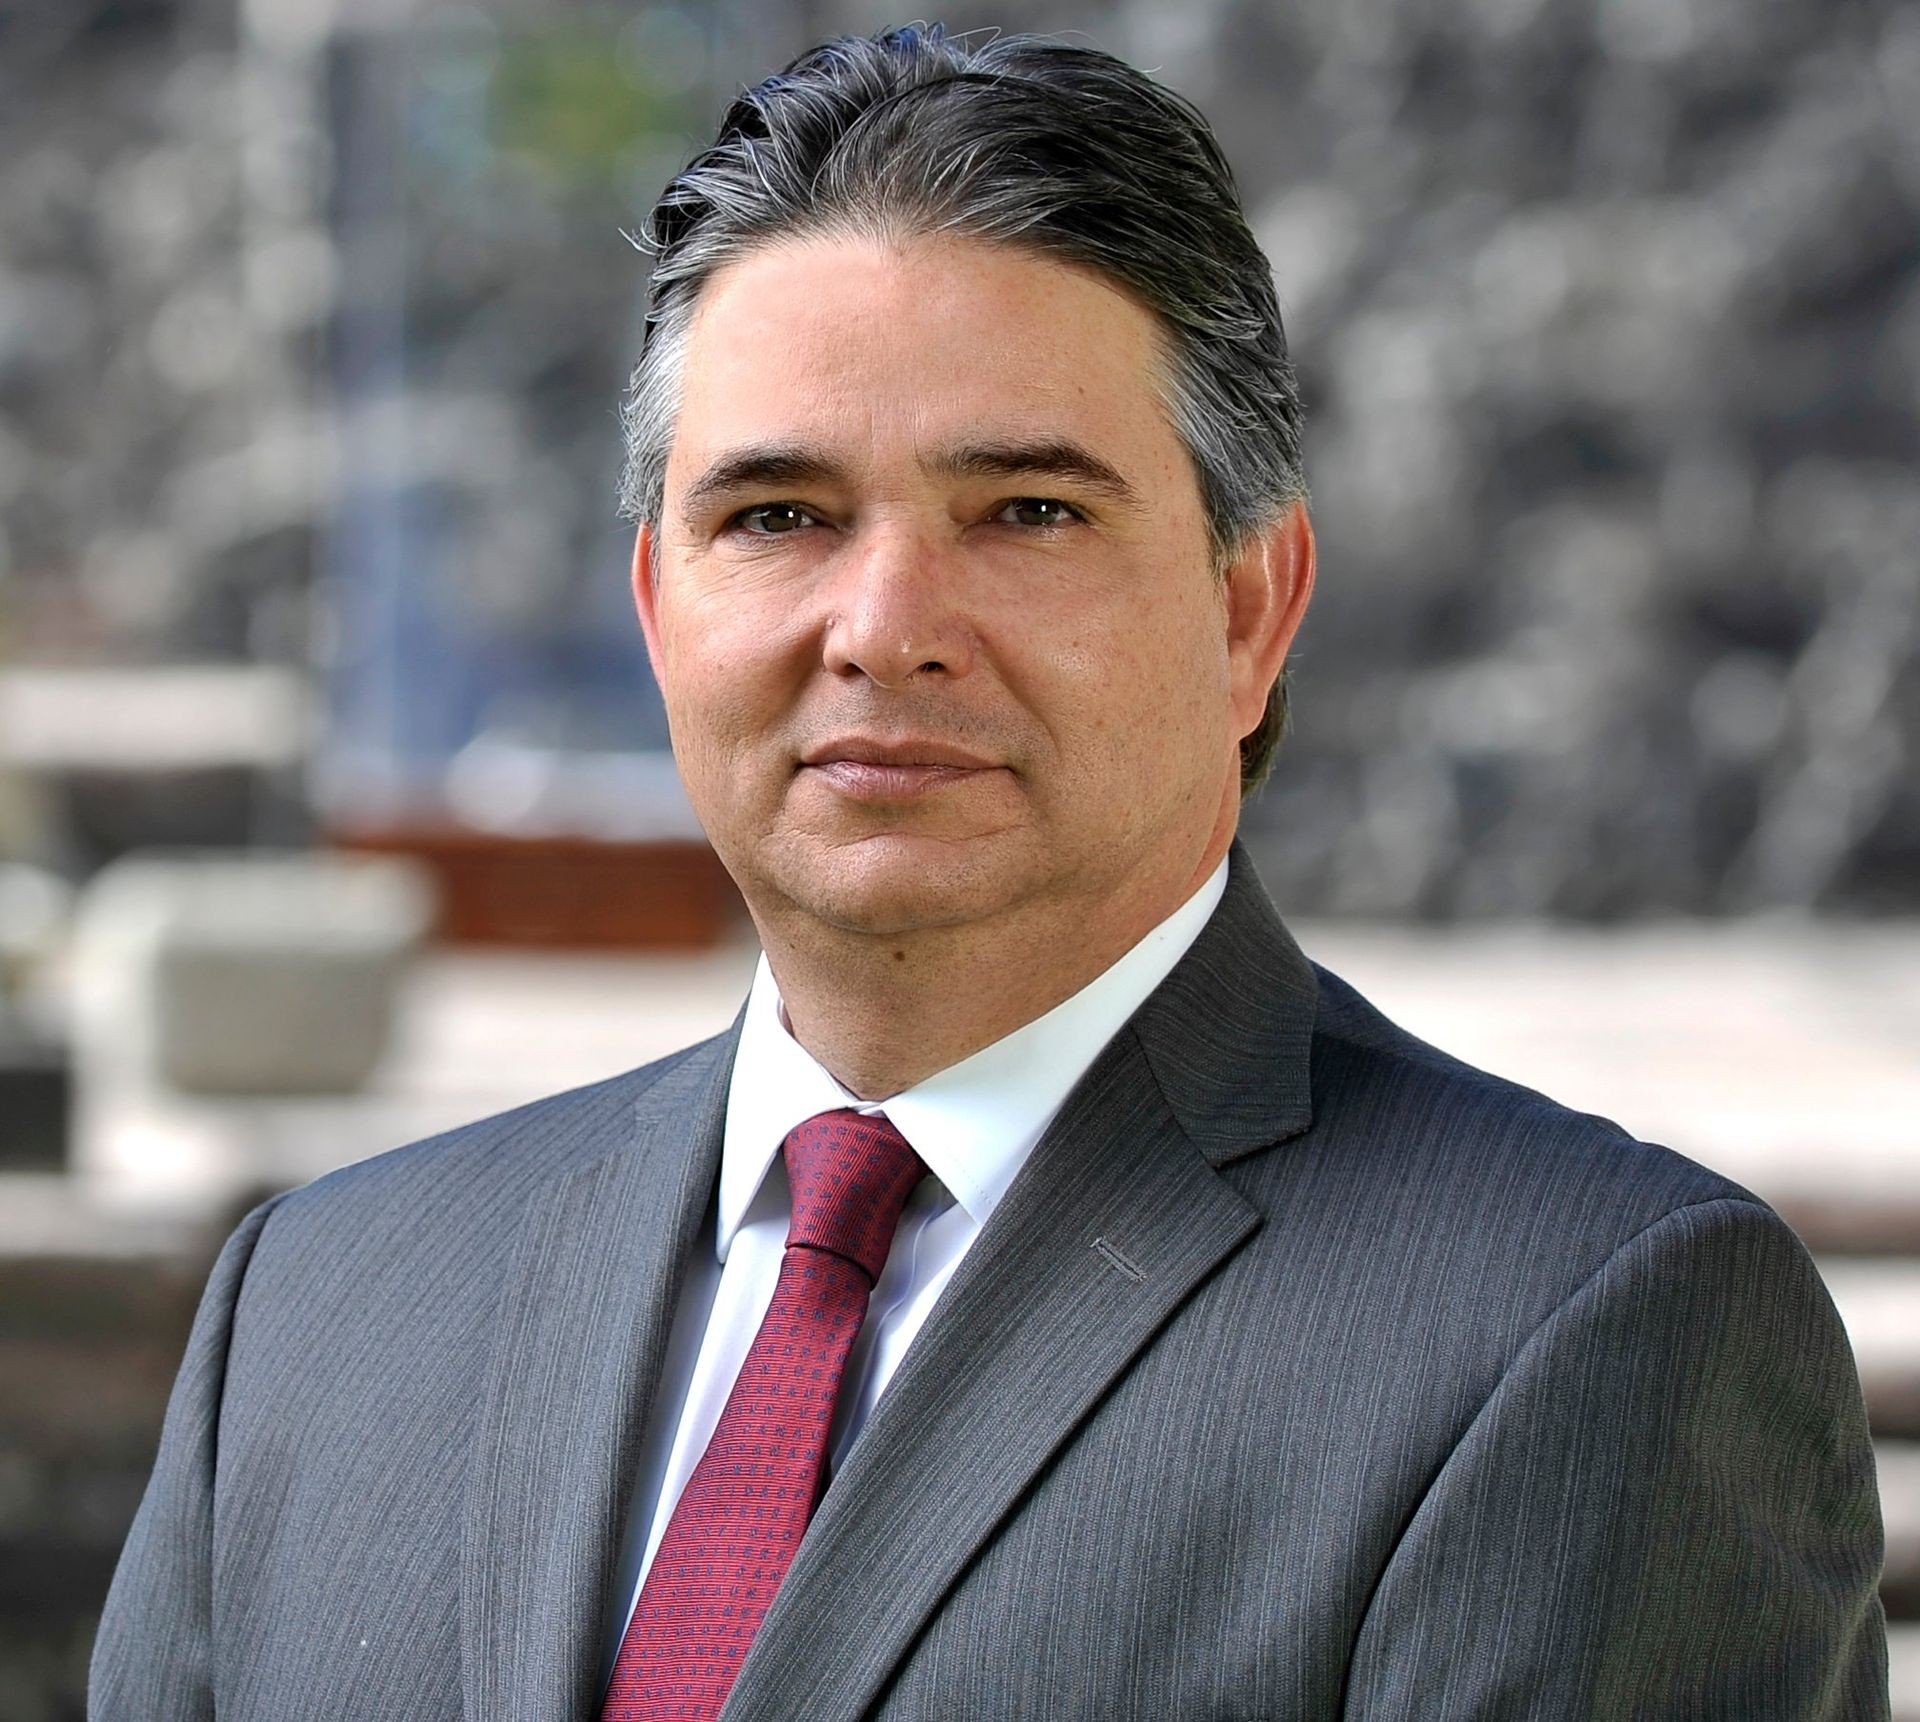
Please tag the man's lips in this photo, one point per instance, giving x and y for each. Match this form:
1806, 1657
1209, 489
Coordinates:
909, 750
868, 769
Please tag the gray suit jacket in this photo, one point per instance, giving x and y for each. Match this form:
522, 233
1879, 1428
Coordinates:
1304, 1372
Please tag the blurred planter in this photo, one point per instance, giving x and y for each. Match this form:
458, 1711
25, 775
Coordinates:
244, 974
564, 892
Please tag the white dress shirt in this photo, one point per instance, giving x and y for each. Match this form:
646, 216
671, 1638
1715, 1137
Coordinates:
973, 1124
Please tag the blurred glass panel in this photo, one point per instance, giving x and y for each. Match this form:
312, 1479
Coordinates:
485, 165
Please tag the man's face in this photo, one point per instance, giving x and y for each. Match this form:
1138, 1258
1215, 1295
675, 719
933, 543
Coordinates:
933, 614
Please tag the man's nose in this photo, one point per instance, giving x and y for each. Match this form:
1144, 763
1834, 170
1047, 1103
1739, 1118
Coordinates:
896, 609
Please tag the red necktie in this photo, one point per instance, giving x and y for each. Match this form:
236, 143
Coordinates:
739, 1521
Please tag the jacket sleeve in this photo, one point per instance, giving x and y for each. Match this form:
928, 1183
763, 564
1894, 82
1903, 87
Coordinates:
1666, 1511
151, 1660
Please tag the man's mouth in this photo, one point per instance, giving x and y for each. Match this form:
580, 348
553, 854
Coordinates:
871, 768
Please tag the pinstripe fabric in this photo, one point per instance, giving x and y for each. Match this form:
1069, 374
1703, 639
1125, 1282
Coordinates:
1302, 1373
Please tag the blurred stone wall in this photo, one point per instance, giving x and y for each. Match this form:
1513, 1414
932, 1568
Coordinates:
1607, 313
162, 473
1608, 316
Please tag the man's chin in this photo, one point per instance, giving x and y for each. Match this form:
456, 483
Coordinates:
898, 887
890, 908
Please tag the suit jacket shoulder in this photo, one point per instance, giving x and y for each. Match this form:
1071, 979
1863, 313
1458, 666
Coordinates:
395, 1450
420, 1241
1432, 1205
1485, 1139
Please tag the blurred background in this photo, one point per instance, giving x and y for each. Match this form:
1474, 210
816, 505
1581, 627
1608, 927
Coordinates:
334, 800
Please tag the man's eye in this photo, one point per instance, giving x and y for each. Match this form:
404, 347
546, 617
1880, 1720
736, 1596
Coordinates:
770, 519
1038, 511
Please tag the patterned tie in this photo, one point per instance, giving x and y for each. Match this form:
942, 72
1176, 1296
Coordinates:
736, 1527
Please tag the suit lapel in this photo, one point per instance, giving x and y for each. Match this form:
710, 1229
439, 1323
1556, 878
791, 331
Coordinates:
587, 1303
1115, 1220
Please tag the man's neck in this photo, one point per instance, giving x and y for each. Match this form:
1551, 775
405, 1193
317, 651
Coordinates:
882, 1013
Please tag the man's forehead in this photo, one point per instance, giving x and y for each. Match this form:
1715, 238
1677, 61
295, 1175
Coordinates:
945, 348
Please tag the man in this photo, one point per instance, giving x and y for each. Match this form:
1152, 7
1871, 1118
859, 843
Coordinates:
1054, 1297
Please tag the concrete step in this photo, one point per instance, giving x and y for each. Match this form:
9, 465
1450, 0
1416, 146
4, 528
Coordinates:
1878, 1298
1898, 1463
50, 1214
1903, 1671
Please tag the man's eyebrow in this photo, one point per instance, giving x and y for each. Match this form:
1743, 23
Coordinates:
774, 464
1054, 457
761, 465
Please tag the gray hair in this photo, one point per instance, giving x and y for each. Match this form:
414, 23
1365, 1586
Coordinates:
1062, 151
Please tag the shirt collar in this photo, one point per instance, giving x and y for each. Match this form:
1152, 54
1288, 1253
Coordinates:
974, 1123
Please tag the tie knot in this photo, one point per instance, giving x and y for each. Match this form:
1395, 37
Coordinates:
851, 1175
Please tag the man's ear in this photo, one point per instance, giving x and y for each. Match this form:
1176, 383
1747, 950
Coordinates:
644, 596
1267, 587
